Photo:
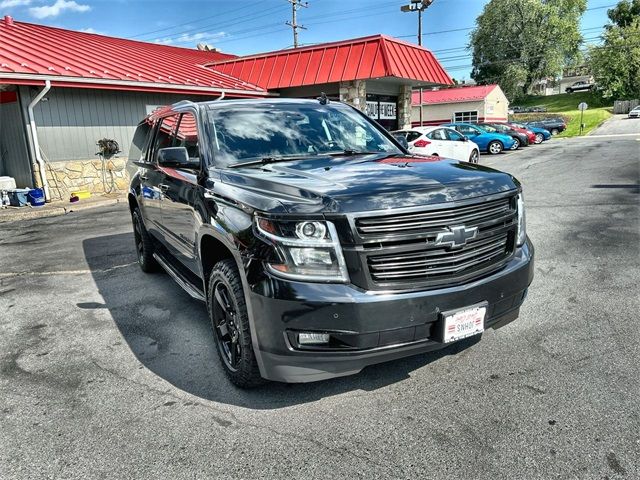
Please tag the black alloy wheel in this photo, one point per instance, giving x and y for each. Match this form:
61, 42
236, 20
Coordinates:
144, 244
539, 138
516, 143
230, 323
475, 156
227, 332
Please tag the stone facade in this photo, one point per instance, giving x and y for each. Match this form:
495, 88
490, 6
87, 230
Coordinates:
404, 107
354, 93
67, 177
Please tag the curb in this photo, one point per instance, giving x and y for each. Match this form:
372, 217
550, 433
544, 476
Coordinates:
26, 213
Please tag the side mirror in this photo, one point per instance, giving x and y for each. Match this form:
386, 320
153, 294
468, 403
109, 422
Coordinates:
176, 157
402, 140
463, 139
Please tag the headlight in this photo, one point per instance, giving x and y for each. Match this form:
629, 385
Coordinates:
309, 250
522, 227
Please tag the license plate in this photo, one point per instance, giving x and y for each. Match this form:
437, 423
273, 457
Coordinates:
463, 323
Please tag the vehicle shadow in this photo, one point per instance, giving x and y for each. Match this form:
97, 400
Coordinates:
170, 334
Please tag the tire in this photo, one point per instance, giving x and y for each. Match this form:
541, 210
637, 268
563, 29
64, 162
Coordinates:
144, 244
495, 147
555, 131
230, 323
539, 139
516, 143
474, 157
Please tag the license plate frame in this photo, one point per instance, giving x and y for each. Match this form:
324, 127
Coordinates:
471, 320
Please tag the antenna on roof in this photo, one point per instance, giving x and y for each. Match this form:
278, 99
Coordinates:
323, 99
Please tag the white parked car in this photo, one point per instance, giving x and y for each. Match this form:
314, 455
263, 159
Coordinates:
635, 113
440, 142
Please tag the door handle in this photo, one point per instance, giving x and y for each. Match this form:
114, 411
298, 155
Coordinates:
163, 187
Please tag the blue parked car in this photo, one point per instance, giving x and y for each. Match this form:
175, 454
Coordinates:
490, 142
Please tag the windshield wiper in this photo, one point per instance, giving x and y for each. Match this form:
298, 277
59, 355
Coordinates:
271, 159
350, 152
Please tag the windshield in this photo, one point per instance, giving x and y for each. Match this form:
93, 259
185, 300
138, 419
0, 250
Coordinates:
246, 132
488, 128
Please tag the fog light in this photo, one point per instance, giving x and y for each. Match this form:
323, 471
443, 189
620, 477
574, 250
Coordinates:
313, 338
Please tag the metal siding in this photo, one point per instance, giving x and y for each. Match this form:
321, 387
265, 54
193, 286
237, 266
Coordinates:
14, 159
73, 120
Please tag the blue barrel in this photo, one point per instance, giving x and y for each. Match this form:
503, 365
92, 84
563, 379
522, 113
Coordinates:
36, 197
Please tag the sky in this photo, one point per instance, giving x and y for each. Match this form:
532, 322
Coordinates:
244, 27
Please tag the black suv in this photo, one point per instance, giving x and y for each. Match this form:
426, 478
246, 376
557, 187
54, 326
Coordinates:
553, 125
317, 242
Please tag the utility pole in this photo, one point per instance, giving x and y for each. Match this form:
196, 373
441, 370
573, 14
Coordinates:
293, 23
417, 6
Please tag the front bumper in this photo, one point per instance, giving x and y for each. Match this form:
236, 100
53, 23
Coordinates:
369, 327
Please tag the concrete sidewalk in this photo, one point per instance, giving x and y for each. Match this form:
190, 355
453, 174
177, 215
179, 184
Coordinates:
14, 214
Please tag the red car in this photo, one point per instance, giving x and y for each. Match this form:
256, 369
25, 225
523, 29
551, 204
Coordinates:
519, 128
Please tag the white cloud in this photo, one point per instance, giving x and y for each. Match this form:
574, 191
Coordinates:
203, 37
91, 30
57, 8
14, 3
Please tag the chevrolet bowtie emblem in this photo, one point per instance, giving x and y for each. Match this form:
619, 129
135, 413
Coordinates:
456, 236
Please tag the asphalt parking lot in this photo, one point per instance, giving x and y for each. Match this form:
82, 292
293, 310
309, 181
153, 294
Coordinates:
108, 372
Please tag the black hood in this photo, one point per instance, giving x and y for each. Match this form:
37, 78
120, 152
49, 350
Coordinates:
371, 182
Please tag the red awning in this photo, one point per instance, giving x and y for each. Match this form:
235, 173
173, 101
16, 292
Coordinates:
358, 59
31, 54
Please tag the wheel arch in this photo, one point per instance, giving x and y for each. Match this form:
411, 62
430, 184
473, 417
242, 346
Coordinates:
223, 240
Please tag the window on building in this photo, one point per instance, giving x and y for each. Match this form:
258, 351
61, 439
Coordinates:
465, 116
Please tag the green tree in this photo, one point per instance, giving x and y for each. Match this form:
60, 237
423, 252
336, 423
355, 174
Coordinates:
623, 14
615, 64
517, 42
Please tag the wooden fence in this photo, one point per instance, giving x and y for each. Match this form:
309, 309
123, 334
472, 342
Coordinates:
624, 106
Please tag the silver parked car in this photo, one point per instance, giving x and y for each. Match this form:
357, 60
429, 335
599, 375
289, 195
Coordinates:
635, 113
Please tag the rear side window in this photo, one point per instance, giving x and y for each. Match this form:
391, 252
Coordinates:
413, 136
141, 141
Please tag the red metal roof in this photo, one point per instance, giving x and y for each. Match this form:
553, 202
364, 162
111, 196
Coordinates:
361, 58
453, 95
30, 54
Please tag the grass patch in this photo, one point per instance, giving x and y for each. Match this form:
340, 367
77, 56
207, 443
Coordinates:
566, 106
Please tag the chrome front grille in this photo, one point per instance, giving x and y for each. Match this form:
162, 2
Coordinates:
399, 251
437, 263
435, 220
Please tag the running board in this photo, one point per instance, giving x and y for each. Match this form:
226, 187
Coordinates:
179, 278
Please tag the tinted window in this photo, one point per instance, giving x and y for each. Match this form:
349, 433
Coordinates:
141, 140
186, 135
245, 132
164, 132
467, 130
453, 135
413, 136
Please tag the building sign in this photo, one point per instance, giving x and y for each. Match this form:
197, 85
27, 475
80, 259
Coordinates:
384, 109
387, 111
